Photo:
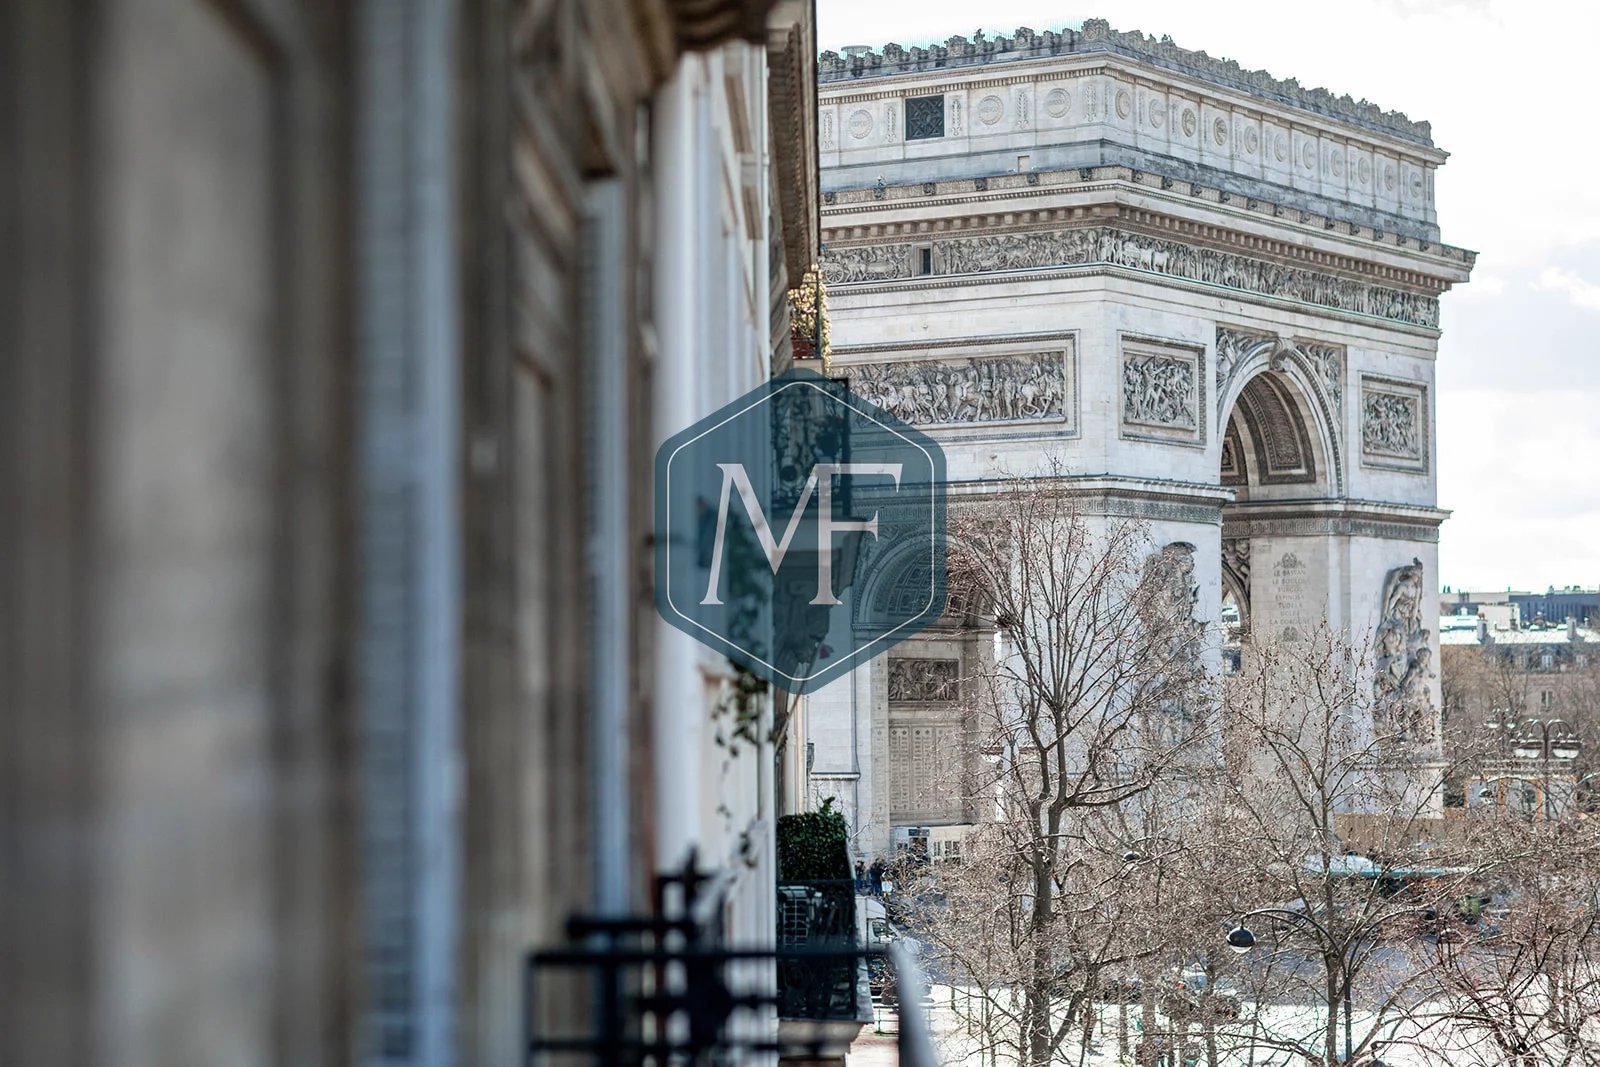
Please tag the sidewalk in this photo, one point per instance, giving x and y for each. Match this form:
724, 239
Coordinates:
874, 1050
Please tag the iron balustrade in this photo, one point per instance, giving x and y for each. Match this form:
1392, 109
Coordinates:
664, 990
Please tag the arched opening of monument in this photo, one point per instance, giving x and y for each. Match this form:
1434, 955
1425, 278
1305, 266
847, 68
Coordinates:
1275, 452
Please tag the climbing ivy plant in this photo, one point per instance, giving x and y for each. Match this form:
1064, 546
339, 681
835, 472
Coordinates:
813, 845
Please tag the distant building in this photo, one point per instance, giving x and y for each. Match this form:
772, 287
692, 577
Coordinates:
1521, 710
1553, 605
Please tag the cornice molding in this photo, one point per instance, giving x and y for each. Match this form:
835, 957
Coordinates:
914, 349
1353, 518
999, 191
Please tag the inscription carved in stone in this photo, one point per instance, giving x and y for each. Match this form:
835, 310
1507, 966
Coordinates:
1159, 391
920, 681
987, 389
1083, 245
1404, 703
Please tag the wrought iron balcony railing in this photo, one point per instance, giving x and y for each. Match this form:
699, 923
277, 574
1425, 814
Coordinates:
663, 989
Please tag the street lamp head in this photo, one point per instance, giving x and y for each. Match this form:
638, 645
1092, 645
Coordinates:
1131, 856
1241, 940
1485, 793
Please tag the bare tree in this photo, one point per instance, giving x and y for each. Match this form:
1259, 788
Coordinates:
1336, 825
1094, 692
1521, 985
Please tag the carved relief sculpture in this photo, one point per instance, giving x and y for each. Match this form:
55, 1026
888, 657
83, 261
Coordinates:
1327, 365
867, 263
948, 393
1236, 559
1159, 391
1403, 703
1085, 245
1233, 348
1323, 364
1391, 425
920, 681
1171, 612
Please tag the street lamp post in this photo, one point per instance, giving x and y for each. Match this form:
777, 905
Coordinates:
1564, 745
1241, 939
1555, 739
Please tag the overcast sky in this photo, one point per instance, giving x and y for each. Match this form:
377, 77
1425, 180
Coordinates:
1508, 87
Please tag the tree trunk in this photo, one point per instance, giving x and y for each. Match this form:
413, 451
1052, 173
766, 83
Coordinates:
1036, 1010
1331, 1032
1147, 1015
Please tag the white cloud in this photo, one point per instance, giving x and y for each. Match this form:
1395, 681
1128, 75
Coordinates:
1514, 469
1584, 294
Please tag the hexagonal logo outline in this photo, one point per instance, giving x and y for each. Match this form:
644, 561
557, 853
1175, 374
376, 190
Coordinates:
765, 394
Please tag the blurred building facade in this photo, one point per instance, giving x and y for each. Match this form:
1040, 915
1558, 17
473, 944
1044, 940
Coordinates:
337, 342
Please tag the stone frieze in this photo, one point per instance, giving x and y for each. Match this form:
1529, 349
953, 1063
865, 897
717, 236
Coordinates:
1105, 245
1021, 388
918, 681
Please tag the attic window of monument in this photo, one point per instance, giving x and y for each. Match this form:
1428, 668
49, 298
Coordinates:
924, 117
925, 260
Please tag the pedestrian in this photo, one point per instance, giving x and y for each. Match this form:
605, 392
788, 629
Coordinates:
876, 873
861, 877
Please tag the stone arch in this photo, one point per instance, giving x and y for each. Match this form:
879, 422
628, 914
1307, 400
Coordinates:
1278, 403
899, 571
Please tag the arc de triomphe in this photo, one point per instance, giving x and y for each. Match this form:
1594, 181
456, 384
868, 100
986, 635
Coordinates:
1211, 294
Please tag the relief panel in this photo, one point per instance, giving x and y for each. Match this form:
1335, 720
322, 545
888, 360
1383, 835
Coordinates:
1021, 388
1394, 424
1163, 391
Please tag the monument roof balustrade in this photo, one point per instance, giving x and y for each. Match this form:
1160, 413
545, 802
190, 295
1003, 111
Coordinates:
1097, 37
982, 192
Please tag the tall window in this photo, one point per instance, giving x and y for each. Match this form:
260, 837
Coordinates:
924, 117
